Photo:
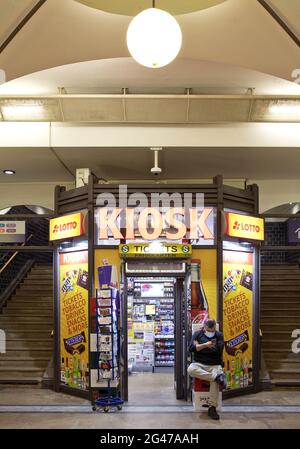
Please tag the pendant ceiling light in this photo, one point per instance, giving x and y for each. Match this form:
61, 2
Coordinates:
154, 38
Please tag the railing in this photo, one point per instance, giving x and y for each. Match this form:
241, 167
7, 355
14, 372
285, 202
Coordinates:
11, 274
14, 255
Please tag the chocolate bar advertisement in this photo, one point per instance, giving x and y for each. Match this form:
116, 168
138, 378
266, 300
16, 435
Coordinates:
74, 370
237, 317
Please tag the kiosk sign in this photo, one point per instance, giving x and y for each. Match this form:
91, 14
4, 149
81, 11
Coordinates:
245, 226
66, 227
155, 249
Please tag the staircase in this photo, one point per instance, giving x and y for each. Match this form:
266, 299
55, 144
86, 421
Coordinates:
28, 322
280, 315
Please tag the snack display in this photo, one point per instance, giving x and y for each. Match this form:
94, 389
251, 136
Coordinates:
107, 334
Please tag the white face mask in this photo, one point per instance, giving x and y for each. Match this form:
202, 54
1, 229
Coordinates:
209, 334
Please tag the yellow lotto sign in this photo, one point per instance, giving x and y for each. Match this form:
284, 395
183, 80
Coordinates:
155, 249
66, 227
244, 226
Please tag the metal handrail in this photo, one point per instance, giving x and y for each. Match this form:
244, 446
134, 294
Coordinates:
14, 255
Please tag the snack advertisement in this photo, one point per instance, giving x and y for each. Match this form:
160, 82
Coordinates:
73, 268
237, 317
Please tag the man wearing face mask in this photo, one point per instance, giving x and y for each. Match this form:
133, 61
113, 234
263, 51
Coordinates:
207, 347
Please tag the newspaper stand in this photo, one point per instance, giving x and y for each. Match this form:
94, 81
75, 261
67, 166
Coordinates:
107, 311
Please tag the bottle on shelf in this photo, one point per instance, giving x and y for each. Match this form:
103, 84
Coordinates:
67, 372
241, 373
228, 375
71, 372
62, 370
237, 373
250, 372
246, 374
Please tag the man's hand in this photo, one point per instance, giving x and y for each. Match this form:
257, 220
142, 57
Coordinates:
200, 346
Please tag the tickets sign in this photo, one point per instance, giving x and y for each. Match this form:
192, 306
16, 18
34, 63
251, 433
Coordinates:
155, 250
245, 226
66, 227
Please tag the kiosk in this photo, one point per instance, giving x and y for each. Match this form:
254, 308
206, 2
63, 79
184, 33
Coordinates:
166, 275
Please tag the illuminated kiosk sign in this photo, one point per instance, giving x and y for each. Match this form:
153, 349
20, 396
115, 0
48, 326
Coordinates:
155, 249
244, 226
67, 226
150, 223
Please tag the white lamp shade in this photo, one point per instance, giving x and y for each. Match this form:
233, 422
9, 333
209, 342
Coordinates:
154, 38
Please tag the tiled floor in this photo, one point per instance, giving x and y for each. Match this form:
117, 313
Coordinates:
155, 394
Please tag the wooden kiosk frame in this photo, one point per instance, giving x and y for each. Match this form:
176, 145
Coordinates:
217, 195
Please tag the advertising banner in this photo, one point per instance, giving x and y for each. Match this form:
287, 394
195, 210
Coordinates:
237, 317
74, 347
67, 226
12, 231
245, 227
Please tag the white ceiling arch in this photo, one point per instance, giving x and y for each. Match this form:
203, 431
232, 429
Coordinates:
235, 32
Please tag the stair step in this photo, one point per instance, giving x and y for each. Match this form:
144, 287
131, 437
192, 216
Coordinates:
4, 380
267, 343
284, 304
278, 382
288, 318
29, 302
35, 288
34, 299
27, 311
280, 311
276, 294
32, 352
29, 343
16, 327
273, 364
39, 363
35, 276
280, 288
283, 323
38, 282
285, 374
284, 281
26, 318
28, 334
34, 293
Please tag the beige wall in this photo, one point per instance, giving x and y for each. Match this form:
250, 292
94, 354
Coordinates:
276, 192
39, 194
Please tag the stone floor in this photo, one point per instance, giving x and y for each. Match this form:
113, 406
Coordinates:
152, 404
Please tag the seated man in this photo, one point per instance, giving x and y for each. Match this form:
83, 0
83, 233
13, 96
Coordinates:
207, 347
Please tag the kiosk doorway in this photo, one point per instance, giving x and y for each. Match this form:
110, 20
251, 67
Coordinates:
155, 331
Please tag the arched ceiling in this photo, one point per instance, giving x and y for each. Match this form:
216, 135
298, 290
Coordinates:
235, 32
112, 75
133, 7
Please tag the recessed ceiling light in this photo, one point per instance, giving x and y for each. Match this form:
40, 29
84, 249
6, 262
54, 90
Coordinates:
9, 172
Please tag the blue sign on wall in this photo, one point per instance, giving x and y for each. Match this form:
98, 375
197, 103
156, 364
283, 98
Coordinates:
293, 230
